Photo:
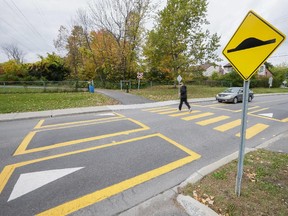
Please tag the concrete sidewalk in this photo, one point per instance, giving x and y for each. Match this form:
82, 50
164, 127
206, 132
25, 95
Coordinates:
170, 202
127, 101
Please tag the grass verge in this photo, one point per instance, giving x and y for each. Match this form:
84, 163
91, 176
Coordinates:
264, 188
164, 93
28, 102
25, 100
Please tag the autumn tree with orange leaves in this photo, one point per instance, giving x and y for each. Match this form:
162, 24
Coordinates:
122, 21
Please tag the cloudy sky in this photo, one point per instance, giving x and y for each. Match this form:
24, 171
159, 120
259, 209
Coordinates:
32, 25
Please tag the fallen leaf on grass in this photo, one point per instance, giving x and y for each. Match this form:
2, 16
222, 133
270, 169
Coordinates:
251, 176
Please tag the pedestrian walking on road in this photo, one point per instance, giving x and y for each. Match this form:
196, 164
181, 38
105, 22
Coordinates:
183, 96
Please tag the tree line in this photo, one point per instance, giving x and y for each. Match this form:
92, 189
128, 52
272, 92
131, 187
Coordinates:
109, 42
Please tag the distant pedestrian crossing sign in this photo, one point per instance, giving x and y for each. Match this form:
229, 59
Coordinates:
252, 43
179, 78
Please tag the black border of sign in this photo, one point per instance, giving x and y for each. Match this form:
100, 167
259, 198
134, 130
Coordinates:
269, 25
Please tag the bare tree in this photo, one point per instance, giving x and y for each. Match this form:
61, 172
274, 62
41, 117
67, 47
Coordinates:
13, 52
62, 39
124, 20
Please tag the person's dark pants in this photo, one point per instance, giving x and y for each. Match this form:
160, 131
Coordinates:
185, 101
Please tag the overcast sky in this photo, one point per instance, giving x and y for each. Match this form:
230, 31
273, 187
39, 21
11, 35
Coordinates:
33, 24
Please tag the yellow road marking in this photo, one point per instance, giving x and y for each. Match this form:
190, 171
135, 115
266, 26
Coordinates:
156, 108
106, 192
227, 109
39, 124
162, 110
259, 110
228, 126
285, 120
8, 170
212, 120
77, 123
184, 113
183, 148
92, 198
188, 118
83, 124
22, 149
254, 107
254, 130
270, 101
23, 145
264, 117
5, 176
215, 105
169, 112
97, 196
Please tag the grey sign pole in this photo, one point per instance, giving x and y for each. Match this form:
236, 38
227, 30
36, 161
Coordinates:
243, 138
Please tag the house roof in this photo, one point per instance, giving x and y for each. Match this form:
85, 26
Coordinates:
206, 65
266, 69
227, 65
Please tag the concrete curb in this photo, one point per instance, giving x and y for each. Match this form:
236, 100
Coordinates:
193, 207
87, 110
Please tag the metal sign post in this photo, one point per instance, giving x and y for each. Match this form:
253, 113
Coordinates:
243, 138
139, 77
250, 46
270, 82
179, 79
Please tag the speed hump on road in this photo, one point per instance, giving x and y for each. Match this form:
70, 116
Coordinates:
252, 43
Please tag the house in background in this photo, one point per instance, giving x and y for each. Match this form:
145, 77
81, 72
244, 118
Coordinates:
209, 69
263, 71
228, 68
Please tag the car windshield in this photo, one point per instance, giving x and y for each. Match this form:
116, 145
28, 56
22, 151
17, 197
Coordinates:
231, 90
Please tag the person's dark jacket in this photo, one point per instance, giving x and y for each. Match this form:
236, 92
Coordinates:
183, 92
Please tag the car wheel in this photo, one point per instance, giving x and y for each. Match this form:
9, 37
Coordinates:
250, 99
235, 100
219, 101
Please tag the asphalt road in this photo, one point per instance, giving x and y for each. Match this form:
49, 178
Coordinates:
108, 162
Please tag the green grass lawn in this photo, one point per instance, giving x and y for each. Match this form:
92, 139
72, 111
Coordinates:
264, 188
26, 102
19, 100
163, 93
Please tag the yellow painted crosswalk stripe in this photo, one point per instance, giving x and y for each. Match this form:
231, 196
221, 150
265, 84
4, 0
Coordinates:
156, 108
212, 120
254, 130
228, 126
188, 118
169, 111
184, 113
162, 110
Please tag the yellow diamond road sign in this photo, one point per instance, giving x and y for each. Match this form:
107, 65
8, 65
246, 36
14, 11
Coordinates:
252, 43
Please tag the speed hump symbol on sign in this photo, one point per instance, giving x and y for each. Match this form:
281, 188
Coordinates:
252, 43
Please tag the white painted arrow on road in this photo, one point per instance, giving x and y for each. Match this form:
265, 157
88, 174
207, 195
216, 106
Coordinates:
31, 181
270, 115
